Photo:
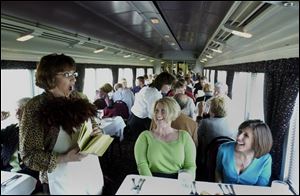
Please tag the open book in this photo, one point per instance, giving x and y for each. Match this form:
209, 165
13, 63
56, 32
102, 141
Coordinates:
88, 144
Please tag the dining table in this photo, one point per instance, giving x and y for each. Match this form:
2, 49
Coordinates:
148, 185
13, 183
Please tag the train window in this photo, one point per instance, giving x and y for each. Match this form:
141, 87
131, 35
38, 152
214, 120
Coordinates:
222, 76
247, 97
212, 77
15, 84
94, 78
291, 167
140, 72
149, 71
126, 73
206, 73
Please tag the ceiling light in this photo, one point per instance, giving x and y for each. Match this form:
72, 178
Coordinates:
209, 56
142, 59
167, 36
99, 50
28, 36
162, 62
172, 44
151, 60
204, 59
218, 50
127, 56
237, 31
154, 20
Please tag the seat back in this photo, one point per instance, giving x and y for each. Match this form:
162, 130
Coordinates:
119, 108
211, 155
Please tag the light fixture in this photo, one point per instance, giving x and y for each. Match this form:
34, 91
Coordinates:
154, 20
237, 31
209, 56
28, 36
142, 59
99, 50
172, 44
151, 60
220, 42
167, 36
218, 50
204, 59
127, 56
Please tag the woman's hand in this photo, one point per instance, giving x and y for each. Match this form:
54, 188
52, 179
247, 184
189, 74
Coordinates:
96, 131
72, 155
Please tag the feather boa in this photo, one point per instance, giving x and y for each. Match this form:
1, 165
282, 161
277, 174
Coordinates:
68, 113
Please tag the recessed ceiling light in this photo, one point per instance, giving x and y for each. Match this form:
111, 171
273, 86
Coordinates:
167, 36
142, 59
154, 20
127, 56
237, 31
99, 50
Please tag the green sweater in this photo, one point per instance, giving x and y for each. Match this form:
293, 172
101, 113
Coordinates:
154, 155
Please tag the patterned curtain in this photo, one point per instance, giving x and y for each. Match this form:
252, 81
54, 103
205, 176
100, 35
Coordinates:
281, 89
80, 79
229, 82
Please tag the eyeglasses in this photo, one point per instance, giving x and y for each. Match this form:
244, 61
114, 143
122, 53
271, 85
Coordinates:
69, 74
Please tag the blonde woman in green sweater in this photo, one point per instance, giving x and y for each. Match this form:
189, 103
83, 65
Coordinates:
163, 151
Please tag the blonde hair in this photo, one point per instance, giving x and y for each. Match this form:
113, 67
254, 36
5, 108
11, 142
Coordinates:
171, 106
208, 87
218, 107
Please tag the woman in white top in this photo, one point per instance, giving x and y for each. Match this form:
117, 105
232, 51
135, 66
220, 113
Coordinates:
141, 111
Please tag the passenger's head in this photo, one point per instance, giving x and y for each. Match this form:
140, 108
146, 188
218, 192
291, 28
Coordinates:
124, 82
220, 89
163, 82
21, 104
56, 72
179, 87
181, 99
208, 88
118, 86
140, 81
165, 110
218, 107
254, 135
105, 89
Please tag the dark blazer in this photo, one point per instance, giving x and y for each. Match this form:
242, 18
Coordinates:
9, 144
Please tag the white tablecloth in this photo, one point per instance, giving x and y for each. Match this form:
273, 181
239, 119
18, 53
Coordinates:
113, 126
167, 186
24, 185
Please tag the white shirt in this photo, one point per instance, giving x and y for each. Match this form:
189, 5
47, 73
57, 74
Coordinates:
144, 102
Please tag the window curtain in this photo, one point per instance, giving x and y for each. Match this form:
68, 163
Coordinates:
229, 82
115, 72
280, 92
216, 77
80, 79
133, 77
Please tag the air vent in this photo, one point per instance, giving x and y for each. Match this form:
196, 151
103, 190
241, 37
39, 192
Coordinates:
14, 28
58, 38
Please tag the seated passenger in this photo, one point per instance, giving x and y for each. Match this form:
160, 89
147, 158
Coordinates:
139, 84
163, 151
123, 94
216, 125
246, 161
183, 121
10, 145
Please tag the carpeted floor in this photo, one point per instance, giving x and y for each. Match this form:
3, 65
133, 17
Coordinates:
117, 162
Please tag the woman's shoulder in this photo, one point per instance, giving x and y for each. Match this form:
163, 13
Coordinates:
227, 145
36, 101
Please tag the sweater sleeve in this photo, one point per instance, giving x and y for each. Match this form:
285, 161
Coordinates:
140, 154
264, 178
